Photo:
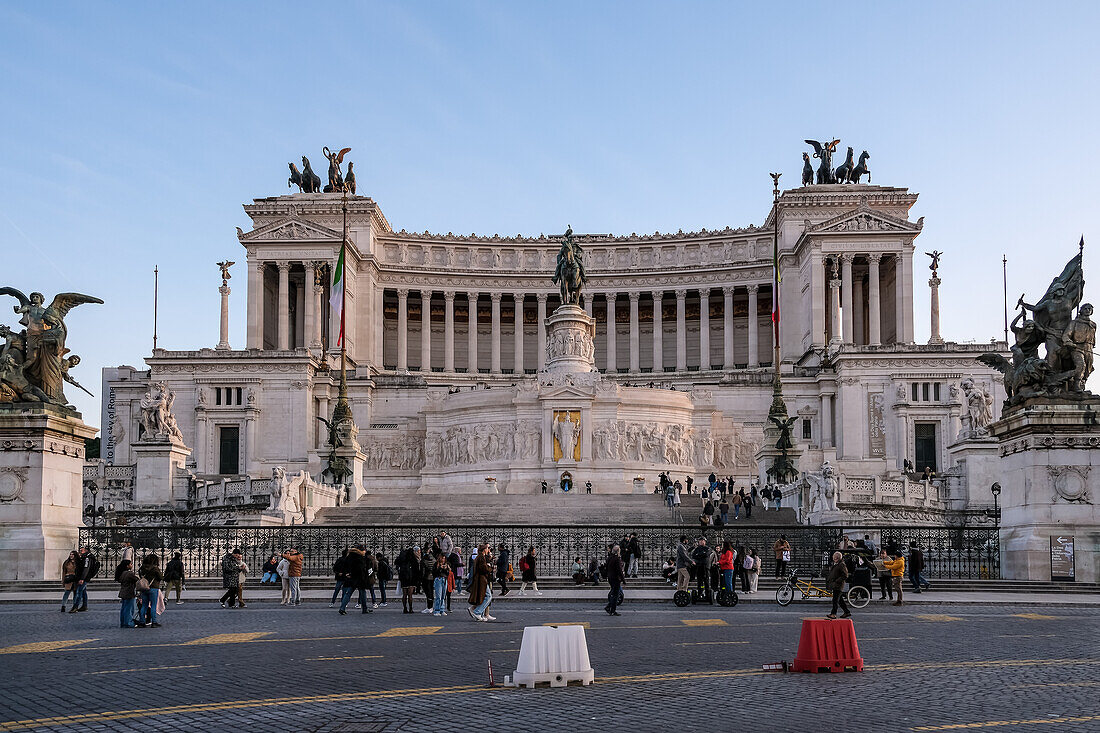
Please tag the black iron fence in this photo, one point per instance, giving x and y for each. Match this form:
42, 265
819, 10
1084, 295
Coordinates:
948, 552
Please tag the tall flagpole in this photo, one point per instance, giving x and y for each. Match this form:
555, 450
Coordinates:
778, 407
341, 409
156, 297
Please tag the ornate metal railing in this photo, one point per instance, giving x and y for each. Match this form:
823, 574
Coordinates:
949, 552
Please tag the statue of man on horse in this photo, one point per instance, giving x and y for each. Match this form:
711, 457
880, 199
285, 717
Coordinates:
570, 275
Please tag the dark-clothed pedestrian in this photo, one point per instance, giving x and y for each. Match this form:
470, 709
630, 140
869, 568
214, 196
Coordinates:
231, 577
127, 593
838, 576
340, 575
527, 569
150, 593
503, 568
174, 577
615, 577
359, 570
481, 585
68, 577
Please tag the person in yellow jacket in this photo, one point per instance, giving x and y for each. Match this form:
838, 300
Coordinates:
897, 573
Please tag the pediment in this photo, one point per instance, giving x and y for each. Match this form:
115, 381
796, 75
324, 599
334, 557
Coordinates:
290, 229
566, 391
865, 219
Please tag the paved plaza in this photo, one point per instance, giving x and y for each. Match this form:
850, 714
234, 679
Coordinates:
929, 668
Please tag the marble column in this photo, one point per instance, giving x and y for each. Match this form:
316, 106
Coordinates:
247, 459
610, 365
223, 326
256, 304
681, 331
315, 286
403, 330
517, 367
826, 419
727, 327
858, 317
471, 333
934, 284
587, 302
903, 287
298, 332
846, 294
319, 435
834, 306
874, 304
540, 331
425, 331
200, 441
449, 331
284, 306
704, 329
754, 326
635, 335
658, 333
494, 343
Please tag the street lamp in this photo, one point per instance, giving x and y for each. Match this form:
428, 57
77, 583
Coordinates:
94, 511
995, 489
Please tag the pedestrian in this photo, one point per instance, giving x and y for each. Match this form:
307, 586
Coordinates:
724, 511
441, 571
150, 573
870, 545
588, 487
458, 569
746, 502
615, 577
838, 576
916, 568
126, 552
754, 574
408, 576
87, 565
897, 573
737, 501
504, 570
675, 500
684, 564
231, 576
766, 495
885, 585
754, 495
360, 570
446, 544
703, 564
242, 574
481, 585
385, 575
127, 593
726, 560
708, 512
594, 571
68, 577
427, 586
690, 482
782, 550
339, 574
294, 575
174, 579
527, 570
282, 569
777, 497
270, 570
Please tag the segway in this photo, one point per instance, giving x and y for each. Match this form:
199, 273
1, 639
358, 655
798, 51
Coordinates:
727, 598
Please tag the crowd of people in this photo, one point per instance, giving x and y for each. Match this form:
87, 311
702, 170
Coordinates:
722, 501
428, 574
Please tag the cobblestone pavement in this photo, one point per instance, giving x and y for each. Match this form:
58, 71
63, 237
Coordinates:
657, 668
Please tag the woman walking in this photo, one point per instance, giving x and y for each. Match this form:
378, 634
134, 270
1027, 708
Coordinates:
408, 574
726, 563
339, 572
527, 571
282, 569
242, 573
174, 576
441, 572
231, 576
481, 585
127, 593
68, 577
150, 573
385, 575
743, 567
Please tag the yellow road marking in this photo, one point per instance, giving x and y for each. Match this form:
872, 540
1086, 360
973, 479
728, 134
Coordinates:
585, 624
228, 638
146, 669
410, 631
44, 646
1000, 723
709, 643
703, 622
1036, 616
334, 659
938, 617
217, 707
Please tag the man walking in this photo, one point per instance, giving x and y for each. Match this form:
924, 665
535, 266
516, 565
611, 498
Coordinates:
502, 570
838, 576
634, 550
615, 577
360, 569
294, 575
916, 568
684, 564
87, 565
782, 550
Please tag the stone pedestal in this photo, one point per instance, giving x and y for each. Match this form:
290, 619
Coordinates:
639, 485
158, 472
355, 458
1050, 481
41, 473
569, 341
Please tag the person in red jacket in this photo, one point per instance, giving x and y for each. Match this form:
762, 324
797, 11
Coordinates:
726, 563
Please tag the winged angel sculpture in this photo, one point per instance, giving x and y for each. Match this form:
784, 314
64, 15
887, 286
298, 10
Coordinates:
34, 363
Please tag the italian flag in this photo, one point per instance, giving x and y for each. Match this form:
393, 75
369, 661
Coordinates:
336, 299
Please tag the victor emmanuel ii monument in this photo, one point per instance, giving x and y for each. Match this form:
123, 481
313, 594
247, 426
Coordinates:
494, 363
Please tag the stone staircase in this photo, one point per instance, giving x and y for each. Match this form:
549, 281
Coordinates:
545, 509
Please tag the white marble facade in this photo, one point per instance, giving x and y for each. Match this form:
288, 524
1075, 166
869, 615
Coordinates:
465, 318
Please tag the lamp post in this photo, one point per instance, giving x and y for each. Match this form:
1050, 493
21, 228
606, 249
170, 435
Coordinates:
995, 489
94, 511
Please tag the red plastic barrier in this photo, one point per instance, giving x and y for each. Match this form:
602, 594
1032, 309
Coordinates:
827, 645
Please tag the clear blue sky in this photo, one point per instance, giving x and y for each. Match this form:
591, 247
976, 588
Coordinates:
133, 132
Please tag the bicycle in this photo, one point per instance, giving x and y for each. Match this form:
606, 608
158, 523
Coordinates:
857, 596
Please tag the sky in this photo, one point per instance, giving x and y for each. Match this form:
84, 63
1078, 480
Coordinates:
132, 134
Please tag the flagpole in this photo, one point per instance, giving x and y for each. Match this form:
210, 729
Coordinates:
344, 303
778, 406
156, 297
1004, 276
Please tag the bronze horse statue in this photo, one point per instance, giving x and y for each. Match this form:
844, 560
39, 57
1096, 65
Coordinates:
861, 168
570, 275
844, 171
295, 178
807, 170
311, 182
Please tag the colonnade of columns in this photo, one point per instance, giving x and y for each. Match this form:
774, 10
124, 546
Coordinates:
855, 304
699, 332
309, 290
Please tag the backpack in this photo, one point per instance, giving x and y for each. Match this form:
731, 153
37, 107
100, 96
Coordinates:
93, 565
748, 563
523, 564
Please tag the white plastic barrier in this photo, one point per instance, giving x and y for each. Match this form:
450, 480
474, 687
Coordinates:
554, 654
